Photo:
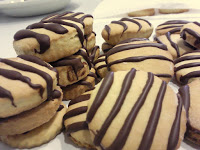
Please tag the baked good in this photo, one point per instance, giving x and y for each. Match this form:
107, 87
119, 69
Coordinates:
173, 26
136, 114
143, 12
141, 54
39, 135
172, 11
70, 92
191, 33
175, 45
94, 54
90, 41
30, 74
187, 67
101, 66
86, 19
126, 28
190, 95
106, 47
73, 68
50, 39
75, 121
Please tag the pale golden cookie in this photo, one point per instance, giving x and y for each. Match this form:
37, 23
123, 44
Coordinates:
75, 121
90, 41
187, 67
94, 53
143, 112
173, 26
126, 28
143, 12
106, 47
141, 54
191, 34
172, 11
26, 82
73, 68
101, 66
39, 135
70, 92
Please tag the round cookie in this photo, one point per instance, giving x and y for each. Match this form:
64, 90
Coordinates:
106, 47
101, 66
75, 121
51, 39
173, 26
73, 68
141, 54
175, 45
39, 135
187, 67
70, 92
143, 12
172, 11
24, 73
126, 28
191, 34
90, 41
143, 105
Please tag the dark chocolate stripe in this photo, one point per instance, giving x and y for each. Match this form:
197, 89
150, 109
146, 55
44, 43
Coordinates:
123, 134
85, 16
195, 64
133, 21
144, 21
24, 67
76, 14
163, 75
55, 94
108, 30
52, 27
79, 99
168, 27
93, 53
149, 133
101, 95
42, 39
92, 74
133, 40
101, 66
191, 32
60, 108
75, 112
73, 19
184, 58
127, 82
174, 45
175, 30
76, 127
122, 24
138, 59
63, 14
174, 133
184, 79
49, 16
174, 22
86, 83
85, 56
99, 60
7, 94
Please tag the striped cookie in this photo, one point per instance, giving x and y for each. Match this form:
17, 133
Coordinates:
101, 66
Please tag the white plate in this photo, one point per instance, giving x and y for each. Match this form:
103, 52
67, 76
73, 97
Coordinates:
24, 8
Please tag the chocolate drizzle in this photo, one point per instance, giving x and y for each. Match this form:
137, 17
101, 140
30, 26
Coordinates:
133, 40
133, 21
122, 24
85, 56
74, 127
184, 79
144, 21
75, 112
108, 30
60, 108
195, 64
93, 53
163, 75
79, 99
184, 58
7, 94
174, 45
42, 39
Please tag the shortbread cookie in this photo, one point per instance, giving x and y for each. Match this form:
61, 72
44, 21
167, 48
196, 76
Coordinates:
172, 11
191, 34
101, 66
90, 41
143, 112
106, 47
126, 28
33, 118
73, 91
86, 19
72, 69
39, 135
170, 26
141, 55
190, 94
143, 12
26, 82
175, 45
50, 40
187, 67
75, 121
94, 53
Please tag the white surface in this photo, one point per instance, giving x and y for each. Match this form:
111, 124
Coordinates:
9, 26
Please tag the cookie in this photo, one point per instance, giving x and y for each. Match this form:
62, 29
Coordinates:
51, 39
187, 67
126, 28
143, 12
94, 54
190, 94
72, 91
191, 34
141, 54
90, 41
39, 135
142, 105
173, 26
172, 11
175, 45
73, 68
106, 47
86, 19
101, 66
24, 73
33, 118
75, 121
